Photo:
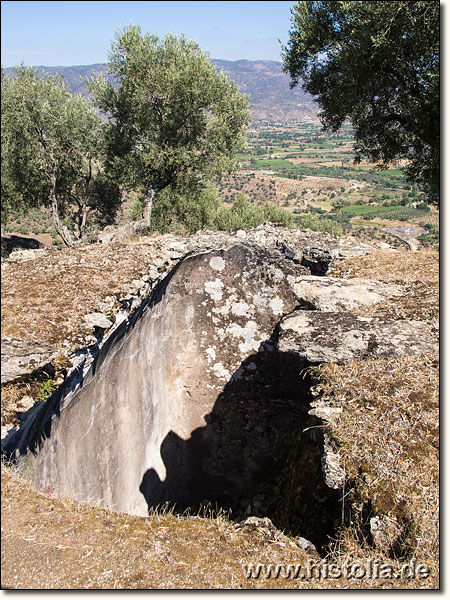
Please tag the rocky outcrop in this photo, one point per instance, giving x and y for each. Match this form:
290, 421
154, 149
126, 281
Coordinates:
187, 398
331, 294
20, 358
317, 337
146, 261
19, 245
183, 401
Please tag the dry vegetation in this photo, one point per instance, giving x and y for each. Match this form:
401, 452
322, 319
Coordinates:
416, 272
46, 301
53, 543
387, 436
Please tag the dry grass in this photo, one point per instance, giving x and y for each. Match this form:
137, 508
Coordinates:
46, 301
388, 435
416, 272
55, 543
12, 396
391, 266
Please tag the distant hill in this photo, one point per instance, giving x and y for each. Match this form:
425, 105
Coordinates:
268, 86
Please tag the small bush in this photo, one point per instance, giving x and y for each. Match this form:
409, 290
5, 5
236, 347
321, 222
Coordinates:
319, 224
136, 209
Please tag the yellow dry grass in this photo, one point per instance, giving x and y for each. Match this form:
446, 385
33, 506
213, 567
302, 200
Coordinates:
55, 543
44, 299
387, 435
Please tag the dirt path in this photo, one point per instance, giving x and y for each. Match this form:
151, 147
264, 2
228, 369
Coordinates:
408, 235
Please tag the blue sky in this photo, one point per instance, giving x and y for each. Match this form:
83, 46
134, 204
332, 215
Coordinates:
80, 33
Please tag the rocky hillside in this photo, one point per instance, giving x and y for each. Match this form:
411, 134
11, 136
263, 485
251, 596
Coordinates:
268, 86
283, 378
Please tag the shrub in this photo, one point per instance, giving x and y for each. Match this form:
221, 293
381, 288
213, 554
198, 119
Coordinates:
136, 209
318, 224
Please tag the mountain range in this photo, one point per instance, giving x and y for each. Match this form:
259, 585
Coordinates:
272, 100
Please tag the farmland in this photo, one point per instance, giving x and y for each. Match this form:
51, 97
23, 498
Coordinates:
312, 174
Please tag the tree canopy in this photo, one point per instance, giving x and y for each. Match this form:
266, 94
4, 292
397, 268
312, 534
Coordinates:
377, 64
51, 147
173, 118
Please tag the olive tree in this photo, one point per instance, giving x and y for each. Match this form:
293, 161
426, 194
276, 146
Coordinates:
51, 153
377, 64
173, 119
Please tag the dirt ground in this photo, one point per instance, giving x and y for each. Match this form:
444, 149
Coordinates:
56, 543
51, 543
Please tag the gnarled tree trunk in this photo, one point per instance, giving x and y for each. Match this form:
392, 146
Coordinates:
149, 197
61, 229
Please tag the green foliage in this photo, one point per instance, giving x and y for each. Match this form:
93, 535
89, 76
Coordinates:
377, 64
187, 210
191, 210
274, 214
308, 221
46, 389
174, 117
51, 148
136, 208
244, 215
429, 239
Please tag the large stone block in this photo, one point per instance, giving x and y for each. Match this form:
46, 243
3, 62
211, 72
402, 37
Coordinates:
185, 399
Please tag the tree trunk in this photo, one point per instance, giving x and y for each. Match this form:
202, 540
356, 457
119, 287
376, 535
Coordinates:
61, 229
149, 197
83, 208
81, 219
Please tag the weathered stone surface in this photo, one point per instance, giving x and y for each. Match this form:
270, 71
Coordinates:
185, 400
307, 546
322, 409
96, 319
333, 472
66, 287
19, 248
331, 294
20, 358
317, 337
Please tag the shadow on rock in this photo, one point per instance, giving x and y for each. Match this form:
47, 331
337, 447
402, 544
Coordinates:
251, 456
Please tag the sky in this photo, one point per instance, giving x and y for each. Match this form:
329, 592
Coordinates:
80, 32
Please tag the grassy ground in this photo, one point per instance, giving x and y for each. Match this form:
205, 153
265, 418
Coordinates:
50, 543
387, 435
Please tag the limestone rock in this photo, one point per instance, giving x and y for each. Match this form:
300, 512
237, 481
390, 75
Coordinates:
385, 532
318, 259
332, 469
96, 319
25, 403
337, 337
331, 294
322, 409
17, 248
307, 546
184, 400
20, 358
263, 524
